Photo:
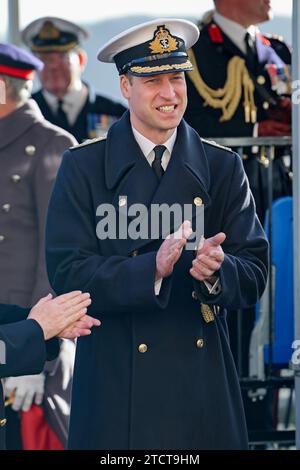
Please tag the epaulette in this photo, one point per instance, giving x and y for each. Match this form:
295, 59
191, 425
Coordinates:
214, 144
206, 19
277, 37
88, 142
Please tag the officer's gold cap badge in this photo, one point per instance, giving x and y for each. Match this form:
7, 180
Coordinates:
163, 41
49, 31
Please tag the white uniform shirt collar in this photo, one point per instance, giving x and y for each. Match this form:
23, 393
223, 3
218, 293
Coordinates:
73, 101
235, 31
147, 147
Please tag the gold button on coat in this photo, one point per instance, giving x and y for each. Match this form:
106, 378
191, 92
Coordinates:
30, 150
16, 178
198, 201
135, 253
261, 80
122, 201
200, 343
3, 422
6, 207
143, 348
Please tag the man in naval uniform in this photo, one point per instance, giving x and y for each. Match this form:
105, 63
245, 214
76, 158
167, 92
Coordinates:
64, 99
160, 374
241, 87
30, 155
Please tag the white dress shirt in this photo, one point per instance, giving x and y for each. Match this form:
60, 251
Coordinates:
73, 101
147, 147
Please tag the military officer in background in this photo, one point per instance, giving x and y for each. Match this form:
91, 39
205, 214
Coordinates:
241, 86
30, 154
64, 99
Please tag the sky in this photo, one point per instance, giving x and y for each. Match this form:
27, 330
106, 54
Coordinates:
102, 76
96, 9
91, 10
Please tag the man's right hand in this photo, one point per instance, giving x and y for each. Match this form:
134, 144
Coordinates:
171, 249
270, 127
55, 315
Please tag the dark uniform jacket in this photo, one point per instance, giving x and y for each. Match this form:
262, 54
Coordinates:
22, 350
212, 52
155, 375
30, 154
31, 149
97, 112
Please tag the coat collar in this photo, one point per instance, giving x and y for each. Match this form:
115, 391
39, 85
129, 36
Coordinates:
265, 52
15, 124
123, 153
129, 175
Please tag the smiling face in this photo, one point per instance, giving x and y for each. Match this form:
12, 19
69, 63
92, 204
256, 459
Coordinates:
156, 103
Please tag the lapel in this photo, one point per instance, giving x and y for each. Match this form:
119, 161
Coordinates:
129, 175
231, 47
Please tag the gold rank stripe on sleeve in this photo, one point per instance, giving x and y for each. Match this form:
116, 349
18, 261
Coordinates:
227, 98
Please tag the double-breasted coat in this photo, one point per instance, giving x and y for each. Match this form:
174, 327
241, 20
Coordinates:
155, 375
22, 350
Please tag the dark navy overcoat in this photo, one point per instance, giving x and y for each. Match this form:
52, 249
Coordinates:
155, 375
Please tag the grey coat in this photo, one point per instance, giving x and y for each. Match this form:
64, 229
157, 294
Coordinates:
30, 155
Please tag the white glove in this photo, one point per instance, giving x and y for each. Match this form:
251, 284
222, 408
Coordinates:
26, 389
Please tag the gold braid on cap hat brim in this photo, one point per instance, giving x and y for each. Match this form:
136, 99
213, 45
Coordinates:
161, 68
227, 98
54, 47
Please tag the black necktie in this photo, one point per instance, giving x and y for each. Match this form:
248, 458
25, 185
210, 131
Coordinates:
251, 55
61, 116
156, 164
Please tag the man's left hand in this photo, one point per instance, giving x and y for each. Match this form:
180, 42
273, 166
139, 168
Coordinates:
81, 327
209, 258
